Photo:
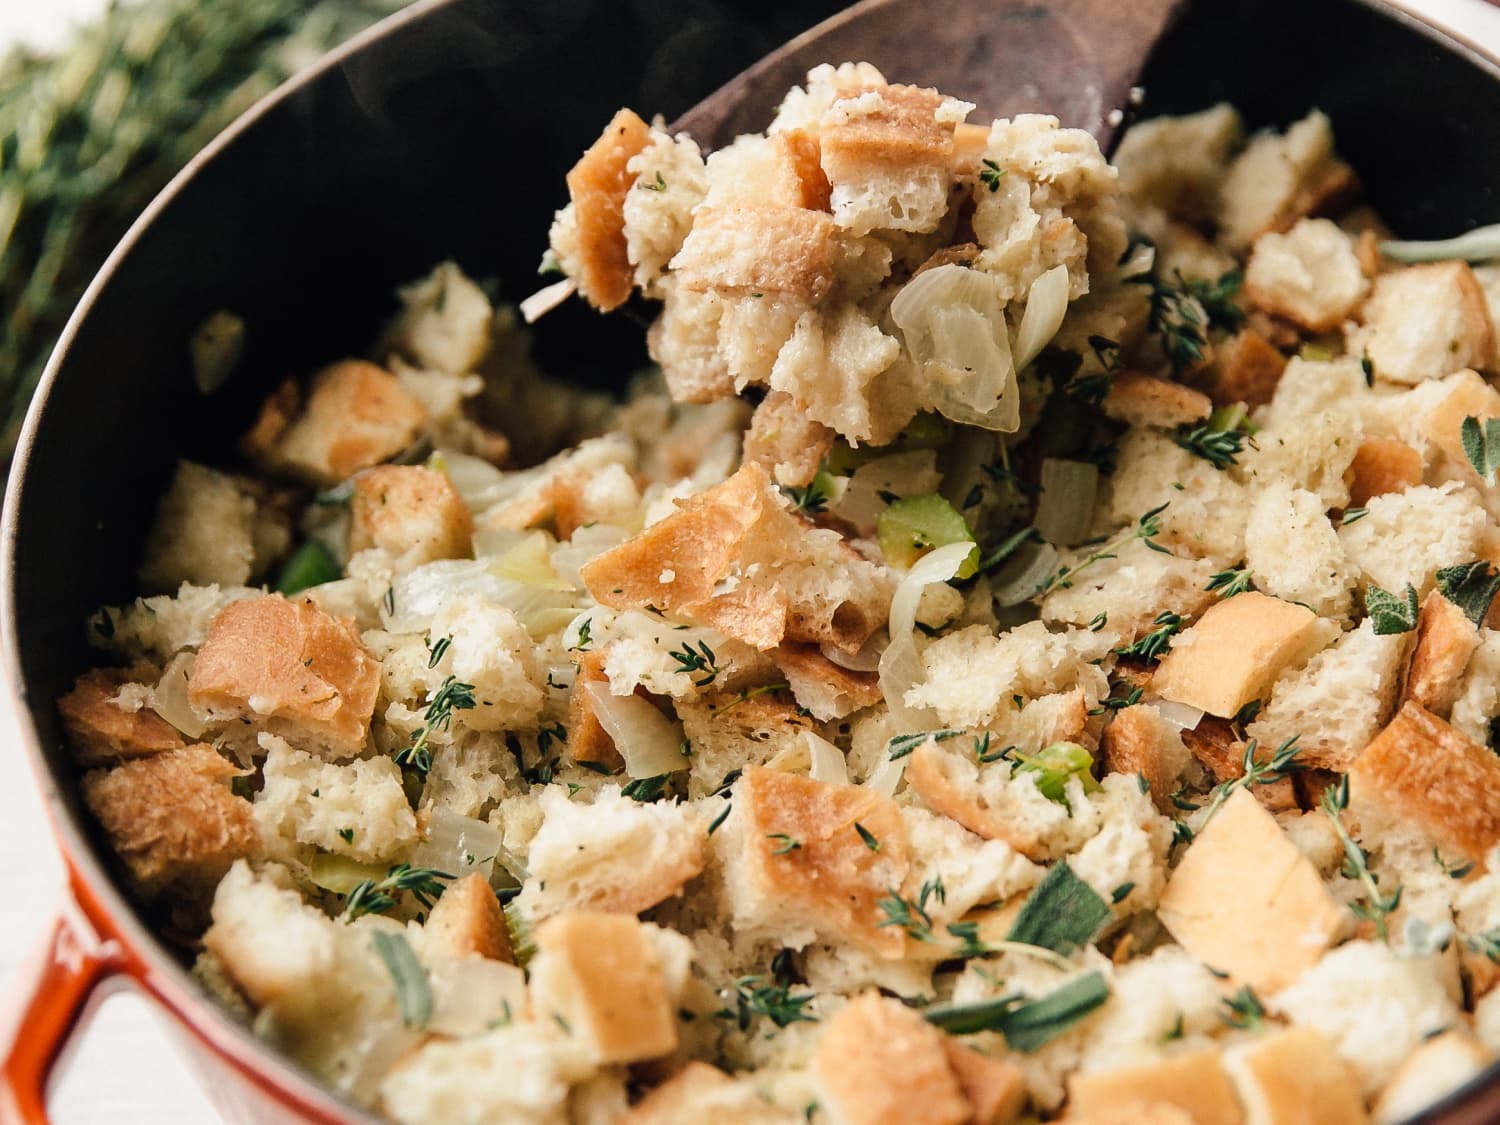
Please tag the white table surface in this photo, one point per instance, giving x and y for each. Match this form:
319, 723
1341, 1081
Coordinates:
124, 1070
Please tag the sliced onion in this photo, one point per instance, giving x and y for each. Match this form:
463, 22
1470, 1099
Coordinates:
418, 595
1178, 715
458, 845
1140, 259
867, 659
530, 564
1478, 245
474, 479
1066, 506
901, 663
828, 762
1022, 578
547, 298
365, 1062
169, 699
1046, 305
472, 994
885, 777
645, 738
340, 874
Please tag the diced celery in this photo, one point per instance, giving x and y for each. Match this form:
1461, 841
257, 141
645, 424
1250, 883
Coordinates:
310, 565
909, 528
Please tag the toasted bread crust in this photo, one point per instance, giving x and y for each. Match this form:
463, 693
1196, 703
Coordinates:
100, 733
357, 415
467, 921
1298, 1079
1382, 465
1138, 399
407, 508
1137, 742
597, 185
823, 687
1446, 639
807, 184
588, 741
1246, 369
1194, 1082
994, 1088
727, 252
1214, 744
903, 131
172, 819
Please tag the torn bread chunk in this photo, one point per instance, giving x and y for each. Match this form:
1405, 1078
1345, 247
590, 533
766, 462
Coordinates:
588, 741
1454, 332
1147, 400
589, 236
1381, 466
604, 978
1310, 275
172, 819
1293, 1077
785, 442
413, 513
1139, 741
1278, 179
1177, 163
101, 730
357, 415
1434, 1070
1294, 552
1421, 777
879, 1062
1193, 1081
287, 667
725, 253
994, 1087
1245, 901
1446, 641
467, 922
1467, 395
203, 533
1245, 368
1235, 651
1408, 536
699, 1092
828, 690
831, 883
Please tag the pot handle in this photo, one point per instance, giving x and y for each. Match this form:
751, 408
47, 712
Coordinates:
71, 963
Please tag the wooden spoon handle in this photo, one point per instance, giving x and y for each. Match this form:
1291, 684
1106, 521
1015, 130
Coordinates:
1075, 59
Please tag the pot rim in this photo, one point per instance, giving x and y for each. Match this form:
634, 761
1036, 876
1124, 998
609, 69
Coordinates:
89, 881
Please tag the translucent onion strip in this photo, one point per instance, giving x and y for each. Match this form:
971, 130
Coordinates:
901, 663
459, 845
547, 298
828, 762
1478, 245
1046, 305
645, 738
1022, 578
1066, 505
1178, 715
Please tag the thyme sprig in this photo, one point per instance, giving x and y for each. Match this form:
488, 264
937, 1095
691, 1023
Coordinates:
911, 914
453, 695
775, 1002
1146, 529
1374, 907
1153, 645
1282, 763
697, 661
376, 896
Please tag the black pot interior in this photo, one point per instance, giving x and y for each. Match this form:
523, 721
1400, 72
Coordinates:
449, 138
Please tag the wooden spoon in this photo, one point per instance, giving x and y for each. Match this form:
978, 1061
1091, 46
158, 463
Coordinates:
1075, 59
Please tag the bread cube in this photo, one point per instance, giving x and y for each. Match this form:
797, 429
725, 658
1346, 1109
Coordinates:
1407, 536
203, 532
1148, 400
1235, 651
785, 442
1216, 745
1422, 777
743, 250
994, 1088
1382, 466
828, 690
1279, 178
1139, 741
287, 667
1176, 163
1468, 395
1245, 901
445, 321
467, 922
588, 741
172, 819
1453, 332
596, 254
414, 513
601, 978
879, 1062
1293, 1077
1434, 1070
271, 942
1193, 1081
1446, 640
1245, 368
101, 732
1310, 275
700, 1092
1294, 552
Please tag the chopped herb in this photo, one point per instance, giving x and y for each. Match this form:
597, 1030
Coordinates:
867, 836
240, 787
1100, 620
1486, 944
1368, 368
1106, 351
548, 735
1247, 713
585, 635
1118, 702
1257, 771
904, 744
729, 779
911, 915
1218, 447
990, 173
1154, 645
773, 1001
1374, 906
814, 497
1244, 1009
310, 565
1121, 893
646, 789
436, 650
1180, 800
1456, 872
788, 843
389, 601
1143, 782
1062, 914
720, 819
372, 896
346, 835
659, 185
700, 660
1353, 516
1228, 583
1181, 314
1471, 587
975, 495
968, 937
453, 695
1482, 445
1391, 613
746, 696
1008, 546
412, 991
1174, 1032
1004, 474
1026, 1025
1181, 832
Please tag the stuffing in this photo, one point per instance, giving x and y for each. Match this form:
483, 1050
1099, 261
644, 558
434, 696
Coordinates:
1295, 553
670, 181
1294, 1076
203, 533
102, 730
1478, 701
830, 366
614, 855
172, 819
1375, 1006
283, 666
156, 629
699, 1092
1278, 179
1138, 741
826, 689
1246, 902
1132, 589
358, 810
1381, 466
444, 322
413, 513
1446, 642
784, 441
1193, 1081
1407, 536
1177, 163
467, 922
1454, 332
1246, 368
1146, 400
1434, 1070
1310, 275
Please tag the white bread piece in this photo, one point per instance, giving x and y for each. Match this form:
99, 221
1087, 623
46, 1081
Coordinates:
1374, 1005
1338, 701
1236, 650
784, 441
203, 532
1407, 536
172, 819
1132, 589
1277, 179
972, 675
1177, 163
1380, 466
1464, 394
1126, 853
829, 366
273, 945
1446, 642
830, 886
614, 855
1180, 247
1139, 399
700, 1092
519, 1072
1294, 552
804, 106
726, 735
308, 803
444, 322
1478, 701
606, 979
413, 513
1021, 237
684, 340
888, 153
878, 1062
725, 252
1153, 999
102, 729
492, 650
1245, 901
1434, 1070
284, 666
670, 181
1454, 332
976, 873
1205, 518
1193, 1081
1310, 275
1293, 1077
1422, 778
1313, 452
1312, 386
357, 415
467, 922
588, 236
1139, 742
